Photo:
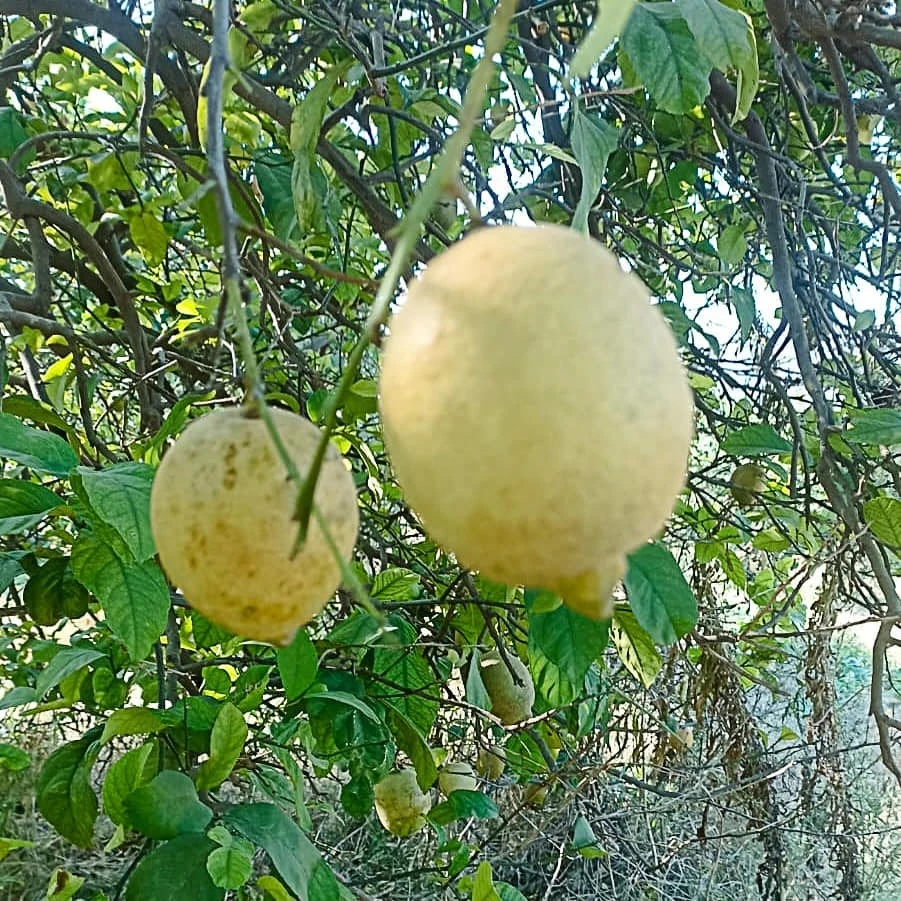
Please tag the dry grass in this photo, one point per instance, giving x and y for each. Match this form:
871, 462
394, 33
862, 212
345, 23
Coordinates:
673, 827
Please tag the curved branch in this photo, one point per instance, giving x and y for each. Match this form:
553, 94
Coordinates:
828, 467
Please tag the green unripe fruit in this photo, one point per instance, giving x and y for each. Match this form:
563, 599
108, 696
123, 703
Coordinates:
400, 804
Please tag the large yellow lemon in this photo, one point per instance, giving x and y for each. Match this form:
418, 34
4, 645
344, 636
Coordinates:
535, 410
221, 513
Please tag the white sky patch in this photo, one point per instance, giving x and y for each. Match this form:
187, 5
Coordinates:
100, 101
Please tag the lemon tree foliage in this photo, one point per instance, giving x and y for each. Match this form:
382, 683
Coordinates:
596, 642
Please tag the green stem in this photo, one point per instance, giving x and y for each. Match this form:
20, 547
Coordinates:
255, 405
443, 176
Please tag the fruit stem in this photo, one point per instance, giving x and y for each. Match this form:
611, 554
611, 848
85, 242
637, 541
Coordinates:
255, 401
445, 175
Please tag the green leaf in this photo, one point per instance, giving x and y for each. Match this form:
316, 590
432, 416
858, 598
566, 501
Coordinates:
135, 598
508, 892
593, 140
407, 668
770, 540
167, 806
306, 123
583, 834
293, 855
609, 21
64, 793
883, 516
357, 796
229, 868
660, 598
733, 568
226, 744
748, 80
551, 150
150, 236
721, 33
570, 641
120, 496
461, 805
503, 129
875, 427
16, 697
297, 665
54, 589
207, 634
550, 681
13, 759
177, 417
307, 116
309, 200
413, 744
12, 844
524, 757
666, 58
732, 245
678, 321
635, 647
395, 585
343, 697
63, 664
23, 505
132, 770
10, 568
365, 388
755, 441
176, 869
63, 886
476, 692
273, 175
12, 134
726, 37
745, 308
863, 320
23, 406
274, 889
132, 721
483, 884
112, 170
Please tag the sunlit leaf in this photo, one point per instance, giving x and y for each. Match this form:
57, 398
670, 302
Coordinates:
635, 647
883, 516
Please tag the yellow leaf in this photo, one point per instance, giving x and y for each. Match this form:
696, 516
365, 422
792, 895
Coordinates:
57, 369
